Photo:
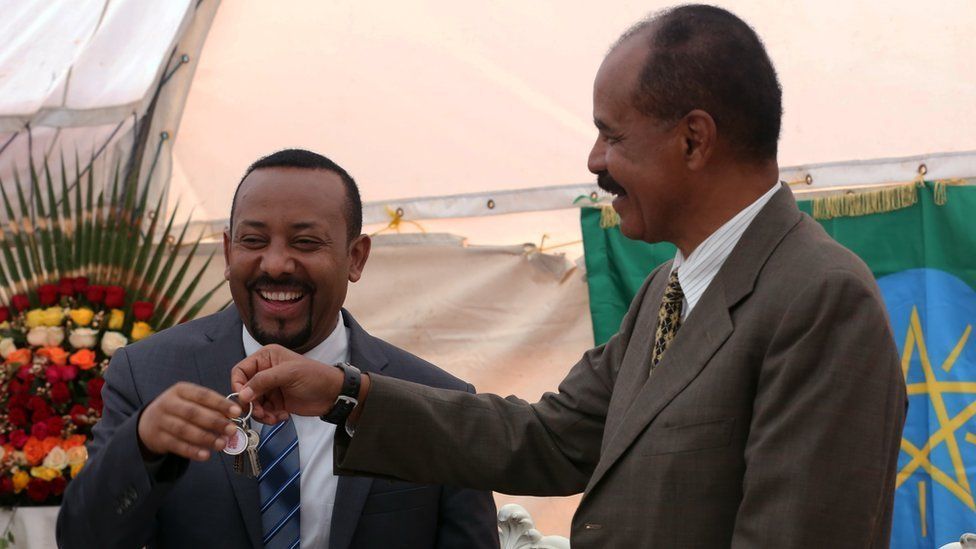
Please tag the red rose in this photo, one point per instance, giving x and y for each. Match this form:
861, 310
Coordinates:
60, 393
79, 414
24, 373
42, 414
48, 294
114, 297
18, 417
20, 302
18, 400
4, 314
96, 404
142, 310
38, 490
81, 284
17, 387
19, 438
58, 484
95, 294
6, 484
40, 431
36, 403
66, 287
95, 387
54, 425
69, 372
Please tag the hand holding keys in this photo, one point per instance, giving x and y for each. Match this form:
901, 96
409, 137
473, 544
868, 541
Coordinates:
243, 444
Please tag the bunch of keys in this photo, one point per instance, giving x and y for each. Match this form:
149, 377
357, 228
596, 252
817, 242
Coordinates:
243, 444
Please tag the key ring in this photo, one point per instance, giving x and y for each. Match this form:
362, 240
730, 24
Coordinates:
250, 408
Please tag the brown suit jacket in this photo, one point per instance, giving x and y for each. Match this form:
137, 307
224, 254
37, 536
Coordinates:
774, 419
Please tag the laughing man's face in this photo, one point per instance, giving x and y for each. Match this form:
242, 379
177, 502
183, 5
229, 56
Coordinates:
288, 260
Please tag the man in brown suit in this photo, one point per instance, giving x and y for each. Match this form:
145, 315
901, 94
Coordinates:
753, 396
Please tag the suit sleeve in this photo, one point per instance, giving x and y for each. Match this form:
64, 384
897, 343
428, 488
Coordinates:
827, 420
422, 434
114, 499
467, 518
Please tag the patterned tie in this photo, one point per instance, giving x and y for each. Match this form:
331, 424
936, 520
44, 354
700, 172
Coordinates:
668, 319
280, 486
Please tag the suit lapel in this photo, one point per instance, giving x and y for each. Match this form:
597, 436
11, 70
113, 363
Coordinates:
705, 330
214, 364
352, 492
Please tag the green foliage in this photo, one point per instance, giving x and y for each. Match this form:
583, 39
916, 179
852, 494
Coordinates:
61, 226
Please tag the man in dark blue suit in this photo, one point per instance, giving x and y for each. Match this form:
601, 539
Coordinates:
157, 475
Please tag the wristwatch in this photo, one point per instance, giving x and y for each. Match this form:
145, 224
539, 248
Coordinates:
348, 397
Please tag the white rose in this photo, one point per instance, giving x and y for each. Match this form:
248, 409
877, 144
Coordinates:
55, 335
37, 336
112, 341
56, 459
80, 338
6, 347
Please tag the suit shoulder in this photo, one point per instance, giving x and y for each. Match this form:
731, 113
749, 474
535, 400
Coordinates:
808, 253
180, 338
409, 367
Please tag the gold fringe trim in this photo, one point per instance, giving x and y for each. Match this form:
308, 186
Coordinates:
856, 204
608, 217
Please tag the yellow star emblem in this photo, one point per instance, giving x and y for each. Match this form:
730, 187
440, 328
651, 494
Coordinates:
954, 480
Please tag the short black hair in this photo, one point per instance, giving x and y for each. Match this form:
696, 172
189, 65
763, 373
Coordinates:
308, 160
704, 57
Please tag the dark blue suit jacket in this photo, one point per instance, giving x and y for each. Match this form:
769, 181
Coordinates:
115, 502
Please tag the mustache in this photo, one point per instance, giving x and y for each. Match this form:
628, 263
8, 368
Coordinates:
606, 182
289, 282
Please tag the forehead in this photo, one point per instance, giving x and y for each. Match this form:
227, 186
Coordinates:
293, 193
617, 78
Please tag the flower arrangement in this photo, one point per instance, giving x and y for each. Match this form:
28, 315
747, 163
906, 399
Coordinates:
77, 282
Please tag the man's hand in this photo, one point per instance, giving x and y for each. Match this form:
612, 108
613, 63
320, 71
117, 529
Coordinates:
187, 420
281, 382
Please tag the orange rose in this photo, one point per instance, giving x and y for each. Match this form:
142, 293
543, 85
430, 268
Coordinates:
72, 441
34, 451
50, 443
84, 359
56, 355
19, 357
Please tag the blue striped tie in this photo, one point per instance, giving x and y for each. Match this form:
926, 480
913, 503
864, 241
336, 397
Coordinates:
280, 486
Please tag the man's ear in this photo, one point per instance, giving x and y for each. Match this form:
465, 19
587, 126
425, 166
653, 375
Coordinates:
226, 254
699, 133
358, 254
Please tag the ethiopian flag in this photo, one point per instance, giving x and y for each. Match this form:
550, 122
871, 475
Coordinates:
923, 254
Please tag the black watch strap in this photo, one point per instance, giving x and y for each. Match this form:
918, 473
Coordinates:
348, 397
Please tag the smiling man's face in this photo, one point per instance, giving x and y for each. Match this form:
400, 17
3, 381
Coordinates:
288, 260
635, 157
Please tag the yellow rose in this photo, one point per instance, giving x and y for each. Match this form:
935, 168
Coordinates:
77, 455
35, 318
76, 468
21, 479
141, 330
53, 316
116, 319
82, 317
44, 473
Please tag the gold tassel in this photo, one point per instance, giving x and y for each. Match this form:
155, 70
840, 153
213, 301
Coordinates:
608, 217
871, 202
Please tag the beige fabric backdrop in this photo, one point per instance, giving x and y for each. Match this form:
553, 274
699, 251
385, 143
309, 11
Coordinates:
507, 319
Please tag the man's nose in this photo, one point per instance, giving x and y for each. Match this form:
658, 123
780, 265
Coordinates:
277, 261
597, 162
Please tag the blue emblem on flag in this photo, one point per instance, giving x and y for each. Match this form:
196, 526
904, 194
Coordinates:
932, 316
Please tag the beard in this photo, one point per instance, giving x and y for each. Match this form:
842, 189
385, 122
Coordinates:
275, 334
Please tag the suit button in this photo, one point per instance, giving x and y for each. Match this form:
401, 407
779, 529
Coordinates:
592, 526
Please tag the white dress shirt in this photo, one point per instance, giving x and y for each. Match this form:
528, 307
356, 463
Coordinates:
315, 440
696, 272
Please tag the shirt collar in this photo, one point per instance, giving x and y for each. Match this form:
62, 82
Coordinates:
331, 350
696, 272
